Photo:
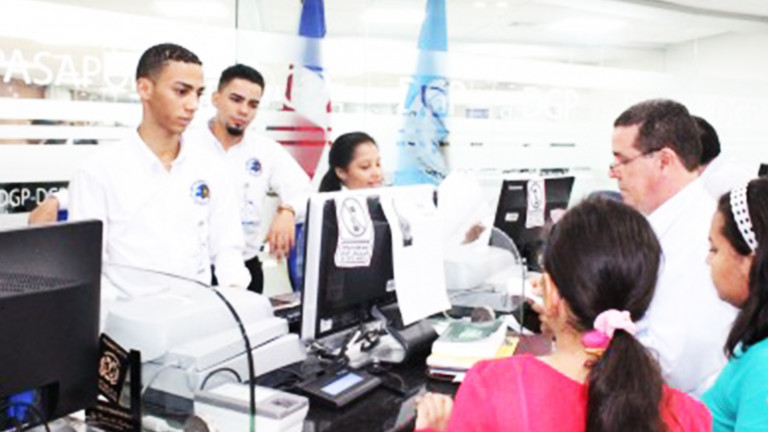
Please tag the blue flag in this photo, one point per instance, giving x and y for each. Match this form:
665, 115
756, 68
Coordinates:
312, 27
424, 133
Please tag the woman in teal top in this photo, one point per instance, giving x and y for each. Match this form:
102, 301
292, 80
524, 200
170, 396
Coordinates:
738, 259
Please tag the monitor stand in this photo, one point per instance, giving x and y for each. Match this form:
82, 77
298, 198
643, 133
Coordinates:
382, 340
415, 337
366, 344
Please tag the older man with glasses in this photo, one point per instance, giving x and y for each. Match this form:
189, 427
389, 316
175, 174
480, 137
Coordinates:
656, 152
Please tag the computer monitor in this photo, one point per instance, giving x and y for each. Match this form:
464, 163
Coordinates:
512, 213
338, 298
763, 170
49, 316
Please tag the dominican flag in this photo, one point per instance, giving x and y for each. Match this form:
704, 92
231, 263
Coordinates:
305, 134
424, 135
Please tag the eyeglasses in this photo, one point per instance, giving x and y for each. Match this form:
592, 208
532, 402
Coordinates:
625, 161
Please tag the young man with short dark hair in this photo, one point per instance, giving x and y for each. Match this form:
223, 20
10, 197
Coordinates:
257, 165
166, 206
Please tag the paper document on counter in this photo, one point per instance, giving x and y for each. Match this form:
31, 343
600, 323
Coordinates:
416, 254
458, 363
476, 339
464, 344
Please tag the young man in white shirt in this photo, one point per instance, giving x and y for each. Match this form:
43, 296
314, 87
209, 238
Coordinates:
256, 164
656, 152
166, 206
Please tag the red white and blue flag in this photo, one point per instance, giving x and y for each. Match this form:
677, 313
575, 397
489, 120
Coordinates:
306, 133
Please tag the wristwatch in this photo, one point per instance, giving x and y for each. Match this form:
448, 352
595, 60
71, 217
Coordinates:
286, 207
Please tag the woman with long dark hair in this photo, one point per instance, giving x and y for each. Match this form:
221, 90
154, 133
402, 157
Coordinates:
600, 266
738, 259
353, 162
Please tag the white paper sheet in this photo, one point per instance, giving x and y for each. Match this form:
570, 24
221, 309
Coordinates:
417, 253
461, 204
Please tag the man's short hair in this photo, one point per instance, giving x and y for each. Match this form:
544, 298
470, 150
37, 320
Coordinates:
710, 142
664, 123
155, 59
243, 72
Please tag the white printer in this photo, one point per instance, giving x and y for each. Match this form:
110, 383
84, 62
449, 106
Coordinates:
186, 333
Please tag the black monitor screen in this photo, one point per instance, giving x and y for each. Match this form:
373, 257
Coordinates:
49, 316
345, 295
511, 213
763, 170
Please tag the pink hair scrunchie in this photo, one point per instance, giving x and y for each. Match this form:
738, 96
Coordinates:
597, 340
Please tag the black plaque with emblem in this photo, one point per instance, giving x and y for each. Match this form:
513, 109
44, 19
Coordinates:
119, 370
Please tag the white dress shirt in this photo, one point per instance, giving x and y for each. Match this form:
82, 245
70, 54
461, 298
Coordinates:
686, 323
256, 165
176, 221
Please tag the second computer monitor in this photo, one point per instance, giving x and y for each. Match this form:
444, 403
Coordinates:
512, 213
336, 298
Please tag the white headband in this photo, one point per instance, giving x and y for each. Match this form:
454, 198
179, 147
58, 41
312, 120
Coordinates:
740, 212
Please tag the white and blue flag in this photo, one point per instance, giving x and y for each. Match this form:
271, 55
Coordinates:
424, 135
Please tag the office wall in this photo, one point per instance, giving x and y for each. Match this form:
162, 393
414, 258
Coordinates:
738, 109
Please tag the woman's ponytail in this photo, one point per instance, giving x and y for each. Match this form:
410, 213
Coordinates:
330, 182
607, 283
624, 388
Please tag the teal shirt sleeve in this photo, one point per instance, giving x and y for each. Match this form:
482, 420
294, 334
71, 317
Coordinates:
739, 399
719, 402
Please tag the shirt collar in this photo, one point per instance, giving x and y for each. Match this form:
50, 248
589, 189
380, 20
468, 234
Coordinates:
211, 139
215, 143
667, 213
147, 156
184, 150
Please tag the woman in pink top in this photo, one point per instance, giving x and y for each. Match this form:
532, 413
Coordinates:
600, 263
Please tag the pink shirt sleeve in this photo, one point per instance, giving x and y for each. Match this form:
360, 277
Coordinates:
684, 414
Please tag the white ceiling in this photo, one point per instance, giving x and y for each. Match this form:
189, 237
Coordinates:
639, 24
758, 8
643, 23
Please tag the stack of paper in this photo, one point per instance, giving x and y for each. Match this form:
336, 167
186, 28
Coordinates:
463, 344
